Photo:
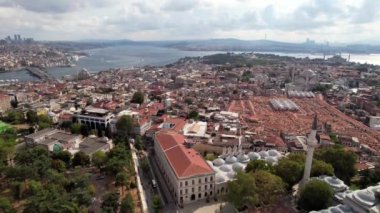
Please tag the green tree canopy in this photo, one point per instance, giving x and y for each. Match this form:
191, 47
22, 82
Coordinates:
315, 195
270, 188
81, 159
32, 117
138, 98
242, 191
99, 159
110, 202
290, 171
75, 128
127, 204
124, 125
255, 165
342, 161
6, 205
157, 205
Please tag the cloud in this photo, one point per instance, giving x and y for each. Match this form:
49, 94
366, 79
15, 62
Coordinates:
190, 19
179, 5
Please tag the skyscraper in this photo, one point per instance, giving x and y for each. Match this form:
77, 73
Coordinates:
311, 144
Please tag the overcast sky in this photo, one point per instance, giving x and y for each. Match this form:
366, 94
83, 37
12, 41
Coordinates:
284, 20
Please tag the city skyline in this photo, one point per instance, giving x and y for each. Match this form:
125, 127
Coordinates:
290, 21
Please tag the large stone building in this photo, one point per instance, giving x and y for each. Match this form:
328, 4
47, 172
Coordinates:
189, 177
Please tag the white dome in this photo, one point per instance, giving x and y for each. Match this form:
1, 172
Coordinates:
263, 154
225, 168
218, 162
231, 174
219, 178
231, 159
254, 156
271, 160
238, 167
365, 197
334, 181
242, 158
274, 153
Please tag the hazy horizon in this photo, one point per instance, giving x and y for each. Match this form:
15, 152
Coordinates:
343, 21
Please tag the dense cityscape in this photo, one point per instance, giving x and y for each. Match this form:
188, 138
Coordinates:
190, 106
195, 135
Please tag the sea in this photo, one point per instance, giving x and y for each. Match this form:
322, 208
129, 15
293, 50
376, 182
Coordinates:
126, 56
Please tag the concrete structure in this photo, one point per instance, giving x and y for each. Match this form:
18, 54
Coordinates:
95, 118
189, 177
374, 122
311, 144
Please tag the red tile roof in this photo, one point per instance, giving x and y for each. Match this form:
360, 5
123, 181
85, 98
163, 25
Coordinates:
185, 162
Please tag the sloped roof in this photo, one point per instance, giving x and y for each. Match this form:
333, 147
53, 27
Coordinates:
185, 162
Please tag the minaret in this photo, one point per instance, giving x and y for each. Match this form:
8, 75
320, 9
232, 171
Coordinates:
311, 144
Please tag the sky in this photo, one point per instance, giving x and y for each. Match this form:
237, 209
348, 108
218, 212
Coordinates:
345, 21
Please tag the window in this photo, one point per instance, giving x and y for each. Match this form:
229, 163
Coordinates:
185, 191
200, 180
206, 179
199, 195
210, 193
211, 178
193, 182
180, 184
185, 183
192, 189
180, 192
205, 187
199, 188
210, 186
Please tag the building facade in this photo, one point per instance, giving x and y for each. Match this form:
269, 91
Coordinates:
188, 176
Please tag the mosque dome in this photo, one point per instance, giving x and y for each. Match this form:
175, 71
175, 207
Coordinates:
274, 153
225, 168
231, 159
231, 174
218, 162
254, 156
263, 154
365, 197
271, 160
238, 167
242, 158
219, 178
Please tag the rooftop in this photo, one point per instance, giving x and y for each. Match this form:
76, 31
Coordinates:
185, 162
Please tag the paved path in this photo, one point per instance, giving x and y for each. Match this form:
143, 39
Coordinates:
144, 204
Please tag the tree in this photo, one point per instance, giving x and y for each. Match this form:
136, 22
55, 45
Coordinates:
121, 179
144, 164
6, 205
270, 188
14, 117
32, 117
341, 160
75, 128
138, 143
319, 168
157, 205
44, 121
124, 125
193, 115
127, 205
64, 156
315, 195
138, 98
81, 159
59, 165
242, 192
255, 165
84, 130
110, 202
99, 159
14, 103
290, 171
